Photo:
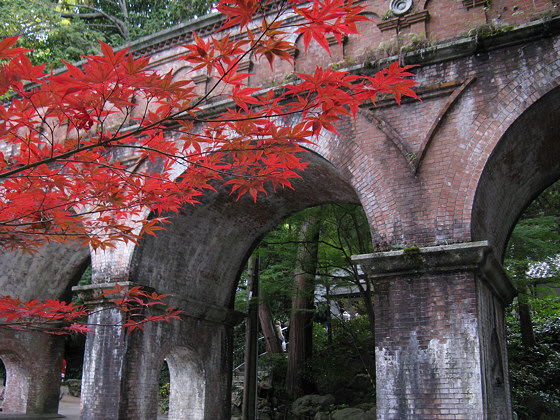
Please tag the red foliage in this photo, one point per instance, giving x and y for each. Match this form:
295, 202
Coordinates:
56, 317
84, 154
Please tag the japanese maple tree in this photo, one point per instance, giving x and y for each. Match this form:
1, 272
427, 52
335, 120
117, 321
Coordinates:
89, 153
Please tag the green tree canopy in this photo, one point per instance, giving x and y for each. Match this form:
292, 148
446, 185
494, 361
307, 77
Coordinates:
68, 29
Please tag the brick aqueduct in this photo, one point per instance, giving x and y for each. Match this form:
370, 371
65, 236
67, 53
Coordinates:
450, 175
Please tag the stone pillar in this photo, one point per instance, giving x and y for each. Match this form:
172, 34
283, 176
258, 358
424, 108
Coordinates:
33, 362
103, 357
440, 332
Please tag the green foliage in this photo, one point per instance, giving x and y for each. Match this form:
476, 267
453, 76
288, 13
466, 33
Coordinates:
535, 371
335, 364
534, 245
69, 29
164, 397
147, 17
532, 264
344, 232
164, 388
85, 279
41, 27
122, 21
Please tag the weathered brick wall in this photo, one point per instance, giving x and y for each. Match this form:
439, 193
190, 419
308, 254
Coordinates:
103, 366
439, 332
428, 350
494, 358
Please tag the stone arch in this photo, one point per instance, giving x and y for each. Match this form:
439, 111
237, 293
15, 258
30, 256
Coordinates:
524, 162
33, 362
198, 259
33, 359
187, 379
516, 93
200, 256
47, 274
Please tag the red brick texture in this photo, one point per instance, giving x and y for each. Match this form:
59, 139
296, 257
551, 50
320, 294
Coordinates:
440, 335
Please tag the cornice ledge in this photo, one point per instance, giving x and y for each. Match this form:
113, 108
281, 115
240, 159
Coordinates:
416, 262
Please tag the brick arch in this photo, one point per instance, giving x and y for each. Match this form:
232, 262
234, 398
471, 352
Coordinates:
47, 274
488, 129
33, 362
199, 256
19, 367
524, 162
33, 359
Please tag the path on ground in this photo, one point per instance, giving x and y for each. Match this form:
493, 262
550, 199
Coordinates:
70, 408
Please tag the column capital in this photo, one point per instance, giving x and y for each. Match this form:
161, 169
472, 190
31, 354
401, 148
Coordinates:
90, 293
415, 261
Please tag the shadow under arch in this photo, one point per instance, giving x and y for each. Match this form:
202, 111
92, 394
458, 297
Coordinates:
525, 161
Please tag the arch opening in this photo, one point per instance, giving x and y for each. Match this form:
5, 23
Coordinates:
308, 282
532, 260
16, 382
525, 162
198, 260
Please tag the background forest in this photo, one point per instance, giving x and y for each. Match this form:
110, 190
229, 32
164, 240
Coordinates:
307, 280
68, 29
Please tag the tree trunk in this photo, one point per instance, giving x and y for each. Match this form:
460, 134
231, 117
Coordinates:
365, 293
301, 320
525, 320
273, 343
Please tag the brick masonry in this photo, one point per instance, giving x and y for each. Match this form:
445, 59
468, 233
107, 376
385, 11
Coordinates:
459, 166
439, 332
